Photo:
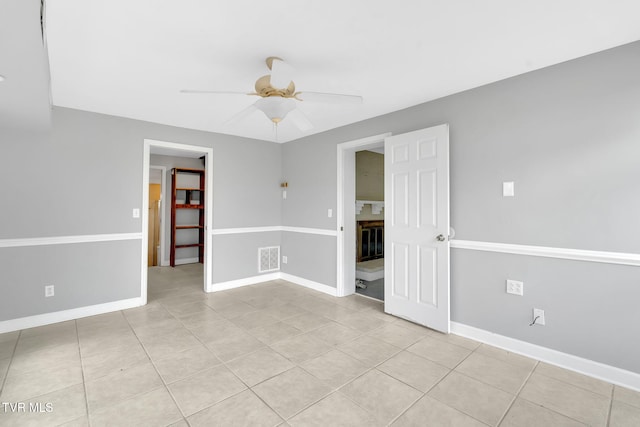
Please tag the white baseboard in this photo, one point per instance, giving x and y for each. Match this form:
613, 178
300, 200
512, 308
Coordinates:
316, 286
232, 284
187, 261
222, 286
64, 315
588, 367
369, 276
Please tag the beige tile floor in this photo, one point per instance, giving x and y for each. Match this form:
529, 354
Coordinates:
280, 354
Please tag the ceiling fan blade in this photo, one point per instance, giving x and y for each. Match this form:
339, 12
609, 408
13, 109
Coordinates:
243, 114
300, 120
217, 92
329, 98
281, 73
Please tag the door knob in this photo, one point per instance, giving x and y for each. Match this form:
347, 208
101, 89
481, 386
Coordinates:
440, 238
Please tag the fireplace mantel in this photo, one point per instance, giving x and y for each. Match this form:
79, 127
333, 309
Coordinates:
376, 206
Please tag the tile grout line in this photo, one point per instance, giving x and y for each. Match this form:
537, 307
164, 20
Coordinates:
575, 385
84, 382
13, 353
423, 393
613, 389
296, 364
222, 363
156, 369
372, 368
517, 394
542, 406
337, 390
336, 348
459, 373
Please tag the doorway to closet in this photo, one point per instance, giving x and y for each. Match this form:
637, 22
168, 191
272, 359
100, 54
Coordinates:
164, 157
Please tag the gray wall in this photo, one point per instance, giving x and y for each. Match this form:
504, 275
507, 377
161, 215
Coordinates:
82, 274
241, 252
84, 177
305, 252
569, 136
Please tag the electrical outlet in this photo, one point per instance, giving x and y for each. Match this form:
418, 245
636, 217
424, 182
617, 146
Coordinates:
538, 317
136, 213
284, 259
329, 213
508, 189
515, 287
49, 291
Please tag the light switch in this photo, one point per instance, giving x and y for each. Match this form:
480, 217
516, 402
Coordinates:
508, 189
136, 213
329, 213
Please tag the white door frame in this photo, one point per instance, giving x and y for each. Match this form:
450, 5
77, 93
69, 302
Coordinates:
163, 187
346, 210
208, 208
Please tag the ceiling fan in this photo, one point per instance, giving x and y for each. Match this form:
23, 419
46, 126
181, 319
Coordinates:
278, 96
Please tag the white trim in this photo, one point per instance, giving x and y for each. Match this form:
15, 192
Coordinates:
316, 286
64, 315
65, 240
146, 160
548, 252
345, 211
232, 284
588, 367
306, 230
271, 228
183, 261
244, 230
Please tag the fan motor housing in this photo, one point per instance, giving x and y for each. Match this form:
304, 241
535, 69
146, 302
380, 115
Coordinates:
264, 88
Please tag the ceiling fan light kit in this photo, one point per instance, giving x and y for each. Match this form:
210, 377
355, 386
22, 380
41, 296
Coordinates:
275, 107
278, 96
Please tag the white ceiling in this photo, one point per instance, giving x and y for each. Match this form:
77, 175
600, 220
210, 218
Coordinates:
24, 95
130, 58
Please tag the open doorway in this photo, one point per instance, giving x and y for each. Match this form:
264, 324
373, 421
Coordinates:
347, 251
167, 156
369, 236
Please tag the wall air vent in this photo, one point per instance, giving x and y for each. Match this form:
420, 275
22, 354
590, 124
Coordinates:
268, 259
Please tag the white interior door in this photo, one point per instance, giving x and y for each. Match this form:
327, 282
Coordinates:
417, 226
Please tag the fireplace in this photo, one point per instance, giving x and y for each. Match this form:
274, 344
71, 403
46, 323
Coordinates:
370, 242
